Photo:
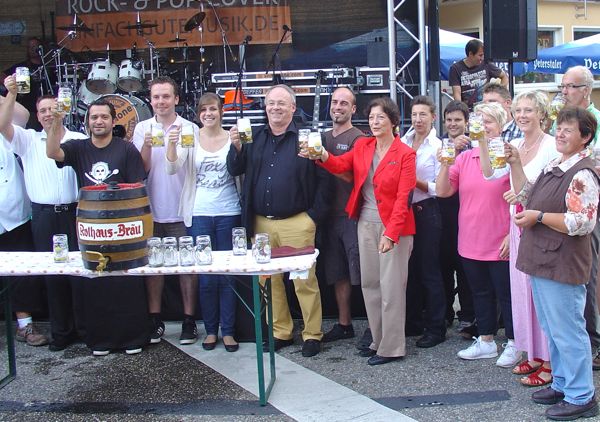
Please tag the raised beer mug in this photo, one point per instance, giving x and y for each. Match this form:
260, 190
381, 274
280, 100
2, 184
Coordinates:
497, 155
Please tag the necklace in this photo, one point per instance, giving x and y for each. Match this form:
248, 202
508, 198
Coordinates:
527, 150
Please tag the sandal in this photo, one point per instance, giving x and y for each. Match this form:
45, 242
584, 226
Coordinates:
534, 380
525, 367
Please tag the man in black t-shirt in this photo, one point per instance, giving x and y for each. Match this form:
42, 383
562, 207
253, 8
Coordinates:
116, 311
102, 158
469, 75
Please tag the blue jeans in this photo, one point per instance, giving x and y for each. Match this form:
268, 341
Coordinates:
559, 308
217, 296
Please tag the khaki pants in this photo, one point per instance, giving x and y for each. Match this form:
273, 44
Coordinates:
296, 231
383, 281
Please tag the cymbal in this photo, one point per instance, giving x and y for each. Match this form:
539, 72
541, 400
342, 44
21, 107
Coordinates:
177, 39
194, 21
141, 25
76, 28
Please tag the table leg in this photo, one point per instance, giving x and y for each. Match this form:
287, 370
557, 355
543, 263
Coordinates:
261, 294
10, 340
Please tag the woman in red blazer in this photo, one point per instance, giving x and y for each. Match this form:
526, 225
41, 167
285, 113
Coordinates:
384, 171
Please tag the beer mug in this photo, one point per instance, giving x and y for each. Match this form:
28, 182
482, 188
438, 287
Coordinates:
315, 146
448, 151
303, 139
63, 100
475, 128
245, 130
261, 250
158, 135
170, 251
556, 105
187, 136
203, 251
155, 252
238, 240
60, 248
497, 155
23, 80
186, 251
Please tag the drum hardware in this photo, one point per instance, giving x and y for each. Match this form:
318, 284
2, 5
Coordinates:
177, 39
275, 63
139, 26
76, 26
194, 21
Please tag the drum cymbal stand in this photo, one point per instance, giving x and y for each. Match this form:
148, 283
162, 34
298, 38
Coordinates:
226, 45
43, 70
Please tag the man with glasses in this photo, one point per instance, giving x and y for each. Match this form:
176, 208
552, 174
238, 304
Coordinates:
576, 88
285, 196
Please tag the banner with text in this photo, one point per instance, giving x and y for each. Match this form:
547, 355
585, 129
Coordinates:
263, 20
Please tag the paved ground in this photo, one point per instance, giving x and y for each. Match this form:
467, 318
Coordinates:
171, 383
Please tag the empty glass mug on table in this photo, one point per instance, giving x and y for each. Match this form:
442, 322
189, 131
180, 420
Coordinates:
238, 240
186, 250
155, 252
261, 250
170, 251
203, 250
60, 247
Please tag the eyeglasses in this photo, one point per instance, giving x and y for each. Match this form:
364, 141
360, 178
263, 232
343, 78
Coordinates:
570, 86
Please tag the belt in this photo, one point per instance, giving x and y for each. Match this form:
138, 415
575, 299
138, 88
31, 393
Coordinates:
273, 217
58, 208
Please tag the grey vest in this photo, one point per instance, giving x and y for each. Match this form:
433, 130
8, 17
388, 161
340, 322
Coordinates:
544, 252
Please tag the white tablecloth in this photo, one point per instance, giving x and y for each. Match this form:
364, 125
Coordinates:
224, 262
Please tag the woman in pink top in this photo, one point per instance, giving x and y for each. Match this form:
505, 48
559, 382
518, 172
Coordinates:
482, 240
536, 149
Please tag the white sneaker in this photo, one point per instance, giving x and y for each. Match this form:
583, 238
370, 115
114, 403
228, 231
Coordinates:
100, 352
133, 350
479, 350
510, 357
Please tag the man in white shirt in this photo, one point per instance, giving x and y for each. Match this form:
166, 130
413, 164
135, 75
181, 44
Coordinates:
164, 192
53, 193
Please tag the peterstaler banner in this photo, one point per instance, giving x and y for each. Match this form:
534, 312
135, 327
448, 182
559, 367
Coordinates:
263, 20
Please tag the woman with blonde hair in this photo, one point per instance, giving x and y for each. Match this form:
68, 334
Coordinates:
536, 150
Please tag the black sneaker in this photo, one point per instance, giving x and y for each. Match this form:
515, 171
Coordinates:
157, 332
189, 332
338, 332
311, 348
365, 340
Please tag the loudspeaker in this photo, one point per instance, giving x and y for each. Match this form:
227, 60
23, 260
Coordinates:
510, 30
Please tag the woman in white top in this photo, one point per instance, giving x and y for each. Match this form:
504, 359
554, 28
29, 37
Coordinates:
210, 205
425, 306
536, 150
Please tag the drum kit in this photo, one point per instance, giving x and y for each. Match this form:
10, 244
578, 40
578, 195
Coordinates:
125, 84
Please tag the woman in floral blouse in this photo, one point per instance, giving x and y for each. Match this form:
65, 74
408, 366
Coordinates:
555, 250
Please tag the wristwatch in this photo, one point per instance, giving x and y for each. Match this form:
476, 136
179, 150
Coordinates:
540, 217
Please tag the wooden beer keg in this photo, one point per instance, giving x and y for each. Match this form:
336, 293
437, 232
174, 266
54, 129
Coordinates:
114, 222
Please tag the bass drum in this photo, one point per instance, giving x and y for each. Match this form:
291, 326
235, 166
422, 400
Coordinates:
84, 99
130, 111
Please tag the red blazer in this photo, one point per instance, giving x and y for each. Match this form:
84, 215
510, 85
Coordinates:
393, 181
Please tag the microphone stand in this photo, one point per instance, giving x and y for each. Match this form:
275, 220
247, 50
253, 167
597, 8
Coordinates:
238, 84
277, 79
44, 70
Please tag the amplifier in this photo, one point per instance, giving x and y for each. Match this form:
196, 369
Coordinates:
373, 80
257, 118
261, 91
